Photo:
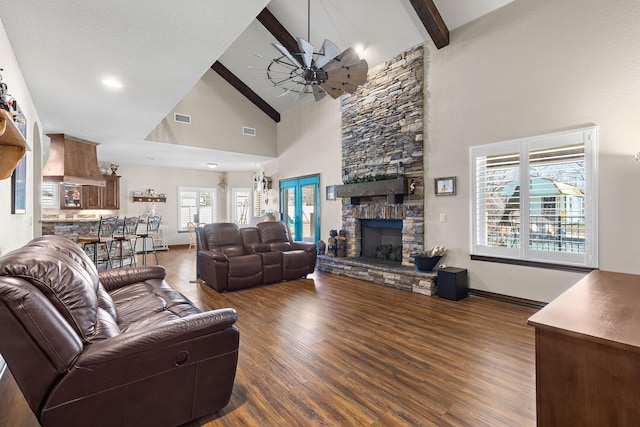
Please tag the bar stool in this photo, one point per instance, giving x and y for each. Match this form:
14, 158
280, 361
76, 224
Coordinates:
153, 225
126, 232
104, 237
191, 227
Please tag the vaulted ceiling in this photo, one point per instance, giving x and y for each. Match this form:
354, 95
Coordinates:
160, 48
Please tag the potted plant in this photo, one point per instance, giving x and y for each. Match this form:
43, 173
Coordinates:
427, 260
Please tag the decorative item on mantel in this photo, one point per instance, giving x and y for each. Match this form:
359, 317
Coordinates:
427, 260
114, 168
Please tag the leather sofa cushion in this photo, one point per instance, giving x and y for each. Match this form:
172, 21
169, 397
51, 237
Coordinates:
71, 249
272, 232
245, 266
106, 303
106, 326
63, 281
149, 302
226, 238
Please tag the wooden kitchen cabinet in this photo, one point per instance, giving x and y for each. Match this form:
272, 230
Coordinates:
91, 196
107, 197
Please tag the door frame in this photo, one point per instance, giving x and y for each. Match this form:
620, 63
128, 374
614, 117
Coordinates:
296, 184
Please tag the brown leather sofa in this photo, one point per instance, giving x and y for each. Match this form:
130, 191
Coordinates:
231, 258
115, 348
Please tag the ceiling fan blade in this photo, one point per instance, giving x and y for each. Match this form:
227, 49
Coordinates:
286, 92
331, 90
327, 53
307, 51
346, 58
355, 74
302, 93
286, 53
318, 92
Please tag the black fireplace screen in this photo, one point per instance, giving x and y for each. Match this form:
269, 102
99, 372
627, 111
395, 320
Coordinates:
381, 239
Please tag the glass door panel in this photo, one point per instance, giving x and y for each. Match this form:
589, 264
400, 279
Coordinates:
299, 200
308, 212
289, 203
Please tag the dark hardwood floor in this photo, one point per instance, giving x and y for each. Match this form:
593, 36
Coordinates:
330, 350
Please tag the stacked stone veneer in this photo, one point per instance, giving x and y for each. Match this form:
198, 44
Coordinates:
383, 133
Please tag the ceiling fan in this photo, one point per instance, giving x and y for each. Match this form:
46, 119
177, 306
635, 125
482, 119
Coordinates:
327, 71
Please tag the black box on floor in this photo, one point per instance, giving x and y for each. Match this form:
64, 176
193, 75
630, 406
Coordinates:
452, 283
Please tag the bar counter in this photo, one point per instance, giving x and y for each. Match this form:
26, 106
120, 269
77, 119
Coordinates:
70, 228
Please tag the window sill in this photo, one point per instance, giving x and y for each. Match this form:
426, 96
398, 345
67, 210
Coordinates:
535, 264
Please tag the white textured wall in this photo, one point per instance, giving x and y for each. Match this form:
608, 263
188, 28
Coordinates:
310, 142
167, 181
529, 68
218, 112
16, 230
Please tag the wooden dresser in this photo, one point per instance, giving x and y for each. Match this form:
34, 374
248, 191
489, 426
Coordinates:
588, 353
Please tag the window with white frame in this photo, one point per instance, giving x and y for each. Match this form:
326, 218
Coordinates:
197, 205
553, 217
241, 205
50, 195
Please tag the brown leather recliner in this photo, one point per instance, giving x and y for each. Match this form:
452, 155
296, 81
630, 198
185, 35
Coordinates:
231, 258
111, 349
298, 258
222, 261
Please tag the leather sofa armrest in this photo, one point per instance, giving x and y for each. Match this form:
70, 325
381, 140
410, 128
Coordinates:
307, 247
119, 277
214, 255
258, 247
155, 337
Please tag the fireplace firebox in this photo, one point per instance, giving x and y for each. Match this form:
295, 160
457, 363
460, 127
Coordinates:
381, 239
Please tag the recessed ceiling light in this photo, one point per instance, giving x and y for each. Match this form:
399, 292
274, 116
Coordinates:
359, 48
113, 83
212, 165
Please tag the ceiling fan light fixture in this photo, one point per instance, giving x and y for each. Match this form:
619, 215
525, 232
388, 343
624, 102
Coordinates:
328, 71
112, 83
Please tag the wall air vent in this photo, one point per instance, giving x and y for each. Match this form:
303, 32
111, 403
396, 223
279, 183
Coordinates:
248, 131
182, 118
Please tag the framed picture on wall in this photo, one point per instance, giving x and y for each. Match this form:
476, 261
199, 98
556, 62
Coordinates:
445, 186
331, 192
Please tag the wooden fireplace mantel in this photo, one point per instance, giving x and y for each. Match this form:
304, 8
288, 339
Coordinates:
394, 189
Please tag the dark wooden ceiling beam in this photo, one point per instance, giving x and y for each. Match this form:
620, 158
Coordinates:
432, 21
278, 31
246, 91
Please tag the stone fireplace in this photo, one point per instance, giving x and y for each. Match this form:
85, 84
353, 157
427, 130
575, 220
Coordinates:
383, 136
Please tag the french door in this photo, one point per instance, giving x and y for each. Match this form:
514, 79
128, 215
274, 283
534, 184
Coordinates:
300, 207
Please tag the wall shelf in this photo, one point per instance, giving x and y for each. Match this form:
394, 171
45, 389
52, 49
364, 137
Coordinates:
12, 145
149, 199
